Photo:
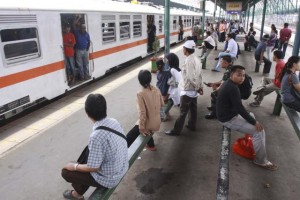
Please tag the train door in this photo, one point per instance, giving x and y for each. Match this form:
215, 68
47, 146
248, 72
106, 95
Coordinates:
151, 32
76, 41
193, 21
180, 34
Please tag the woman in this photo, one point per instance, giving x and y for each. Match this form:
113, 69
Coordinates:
149, 103
271, 42
289, 82
174, 92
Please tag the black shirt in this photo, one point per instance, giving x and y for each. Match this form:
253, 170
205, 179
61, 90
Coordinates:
229, 103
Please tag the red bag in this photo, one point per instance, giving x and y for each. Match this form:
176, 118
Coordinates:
244, 147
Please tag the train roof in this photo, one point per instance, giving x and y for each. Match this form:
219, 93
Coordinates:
87, 5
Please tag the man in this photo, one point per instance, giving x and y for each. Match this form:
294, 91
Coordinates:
284, 37
259, 54
107, 159
207, 46
82, 51
252, 41
180, 31
69, 42
191, 85
232, 50
269, 85
232, 114
222, 31
226, 64
196, 30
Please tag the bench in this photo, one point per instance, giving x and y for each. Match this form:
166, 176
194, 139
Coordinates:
291, 113
223, 176
133, 152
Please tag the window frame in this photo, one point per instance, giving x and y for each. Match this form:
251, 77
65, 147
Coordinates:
129, 27
104, 21
25, 57
140, 24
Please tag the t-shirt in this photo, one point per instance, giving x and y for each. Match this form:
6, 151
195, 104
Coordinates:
278, 68
286, 96
210, 40
69, 38
261, 47
285, 34
82, 40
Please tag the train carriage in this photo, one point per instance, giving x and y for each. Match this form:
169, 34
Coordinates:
32, 65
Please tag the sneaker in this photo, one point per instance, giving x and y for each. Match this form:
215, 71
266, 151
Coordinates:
254, 104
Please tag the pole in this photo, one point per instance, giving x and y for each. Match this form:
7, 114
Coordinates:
253, 11
219, 13
263, 19
297, 38
167, 27
203, 17
215, 10
248, 17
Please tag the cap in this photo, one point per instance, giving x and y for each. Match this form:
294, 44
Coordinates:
190, 44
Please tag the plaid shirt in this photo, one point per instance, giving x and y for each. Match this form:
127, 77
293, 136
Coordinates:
108, 152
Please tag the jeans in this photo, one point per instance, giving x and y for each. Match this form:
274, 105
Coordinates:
221, 54
80, 181
186, 104
268, 87
70, 66
267, 65
284, 46
133, 134
168, 105
238, 123
82, 61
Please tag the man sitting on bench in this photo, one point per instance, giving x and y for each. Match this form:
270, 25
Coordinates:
232, 114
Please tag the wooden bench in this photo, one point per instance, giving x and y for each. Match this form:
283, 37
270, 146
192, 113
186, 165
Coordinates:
291, 113
133, 152
223, 176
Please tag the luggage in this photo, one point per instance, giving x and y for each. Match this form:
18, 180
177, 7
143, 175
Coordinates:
244, 147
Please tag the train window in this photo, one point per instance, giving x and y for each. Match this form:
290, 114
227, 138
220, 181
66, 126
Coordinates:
108, 32
124, 30
137, 29
20, 44
185, 23
160, 24
174, 24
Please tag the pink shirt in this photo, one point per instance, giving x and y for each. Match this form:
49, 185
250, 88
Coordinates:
285, 34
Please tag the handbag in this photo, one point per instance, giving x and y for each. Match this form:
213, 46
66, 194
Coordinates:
83, 158
293, 90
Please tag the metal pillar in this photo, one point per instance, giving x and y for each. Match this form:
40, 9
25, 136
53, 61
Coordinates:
215, 10
203, 17
167, 27
297, 38
220, 14
253, 11
248, 13
263, 19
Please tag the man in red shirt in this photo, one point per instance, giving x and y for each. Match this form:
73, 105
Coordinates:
285, 35
69, 42
269, 85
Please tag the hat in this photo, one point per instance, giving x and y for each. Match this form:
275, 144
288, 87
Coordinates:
190, 44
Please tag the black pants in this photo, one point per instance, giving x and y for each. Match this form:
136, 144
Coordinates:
180, 36
294, 105
80, 181
133, 134
222, 37
186, 104
195, 38
213, 100
267, 66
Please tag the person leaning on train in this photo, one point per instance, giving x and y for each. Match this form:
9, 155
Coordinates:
82, 51
107, 160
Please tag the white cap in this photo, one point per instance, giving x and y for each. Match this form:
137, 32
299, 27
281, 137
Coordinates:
189, 44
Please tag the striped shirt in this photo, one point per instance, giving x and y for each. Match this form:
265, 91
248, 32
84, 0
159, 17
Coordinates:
108, 152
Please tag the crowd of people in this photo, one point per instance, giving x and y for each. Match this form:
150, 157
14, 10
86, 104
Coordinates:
107, 162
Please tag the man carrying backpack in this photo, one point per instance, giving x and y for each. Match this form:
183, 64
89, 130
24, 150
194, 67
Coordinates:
232, 114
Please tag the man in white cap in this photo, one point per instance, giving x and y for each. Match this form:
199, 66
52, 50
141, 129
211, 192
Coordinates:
190, 85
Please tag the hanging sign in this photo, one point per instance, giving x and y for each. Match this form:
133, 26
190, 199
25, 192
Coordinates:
234, 6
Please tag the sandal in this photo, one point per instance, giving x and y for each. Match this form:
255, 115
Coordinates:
268, 166
68, 195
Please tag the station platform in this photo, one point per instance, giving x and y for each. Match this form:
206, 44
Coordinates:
33, 149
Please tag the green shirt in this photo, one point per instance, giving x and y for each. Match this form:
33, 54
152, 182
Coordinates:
226, 75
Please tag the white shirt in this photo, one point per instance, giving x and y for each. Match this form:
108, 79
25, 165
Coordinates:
210, 40
173, 90
232, 48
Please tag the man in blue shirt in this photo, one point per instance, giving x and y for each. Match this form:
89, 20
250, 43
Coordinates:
82, 51
259, 54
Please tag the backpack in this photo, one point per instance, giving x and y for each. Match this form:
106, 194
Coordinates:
245, 87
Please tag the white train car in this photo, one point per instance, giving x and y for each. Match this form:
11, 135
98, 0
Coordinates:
32, 65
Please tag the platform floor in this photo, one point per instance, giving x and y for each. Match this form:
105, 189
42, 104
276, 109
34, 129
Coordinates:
35, 148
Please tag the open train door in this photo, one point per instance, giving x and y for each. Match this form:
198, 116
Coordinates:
151, 32
74, 57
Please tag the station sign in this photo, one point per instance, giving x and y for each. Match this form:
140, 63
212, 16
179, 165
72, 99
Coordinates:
234, 6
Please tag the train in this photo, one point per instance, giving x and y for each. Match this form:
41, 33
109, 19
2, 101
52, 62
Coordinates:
32, 66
